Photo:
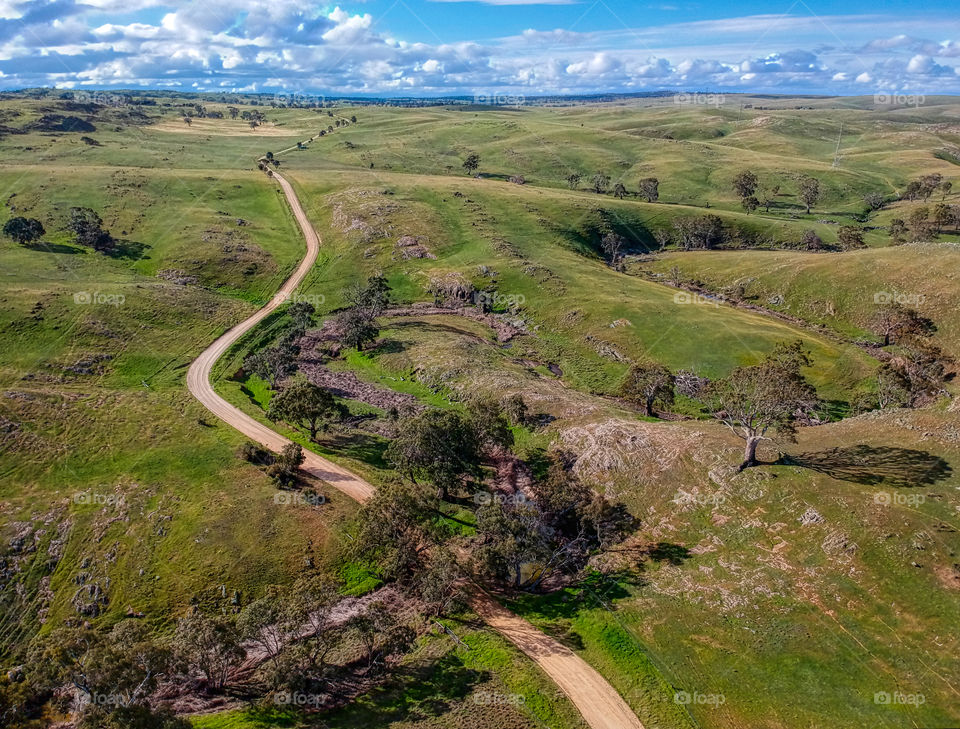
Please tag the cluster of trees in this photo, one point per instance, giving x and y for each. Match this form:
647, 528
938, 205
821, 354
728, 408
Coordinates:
648, 187
924, 187
914, 371
288, 635
521, 538
924, 223
753, 195
751, 401
84, 223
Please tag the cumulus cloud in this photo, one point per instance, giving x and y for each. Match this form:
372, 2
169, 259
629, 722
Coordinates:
288, 45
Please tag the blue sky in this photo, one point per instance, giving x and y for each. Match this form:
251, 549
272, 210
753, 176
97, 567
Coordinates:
491, 47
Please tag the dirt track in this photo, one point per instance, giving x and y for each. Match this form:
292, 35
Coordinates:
598, 702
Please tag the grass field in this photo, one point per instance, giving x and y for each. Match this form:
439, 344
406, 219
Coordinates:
797, 592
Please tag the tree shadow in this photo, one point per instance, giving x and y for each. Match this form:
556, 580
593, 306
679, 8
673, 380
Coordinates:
361, 446
414, 693
45, 247
674, 554
387, 346
872, 465
129, 249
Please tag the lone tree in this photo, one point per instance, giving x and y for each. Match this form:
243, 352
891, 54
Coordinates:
274, 363
286, 464
619, 191
809, 191
650, 189
850, 237
745, 184
895, 323
600, 183
647, 384
23, 230
573, 180
303, 403
88, 227
356, 328
752, 401
768, 196
471, 163
612, 245
439, 446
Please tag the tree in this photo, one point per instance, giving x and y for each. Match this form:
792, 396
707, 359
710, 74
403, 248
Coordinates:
301, 312
471, 163
874, 200
286, 464
261, 623
705, 231
23, 230
647, 384
895, 323
809, 191
850, 237
396, 529
274, 363
619, 191
898, 231
811, 241
88, 227
663, 237
303, 403
754, 400
918, 223
573, 180
612, 245
187, 120
356, 328
750, 204
353, 118
371, 298
942, 215
210, 645
233, 111
650, 189
745, 184
440, 585
768, 196
600, 182
439, 446
488, 422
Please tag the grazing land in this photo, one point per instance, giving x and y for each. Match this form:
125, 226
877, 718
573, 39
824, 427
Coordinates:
816, 585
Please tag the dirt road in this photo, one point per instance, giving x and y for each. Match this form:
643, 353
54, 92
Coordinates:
598, 702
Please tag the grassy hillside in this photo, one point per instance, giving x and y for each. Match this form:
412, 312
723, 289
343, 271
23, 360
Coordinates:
795, 591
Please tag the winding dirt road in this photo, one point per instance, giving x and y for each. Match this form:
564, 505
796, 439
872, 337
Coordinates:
598, 702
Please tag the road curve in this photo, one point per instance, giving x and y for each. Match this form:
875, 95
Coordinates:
198, 376
598, 702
